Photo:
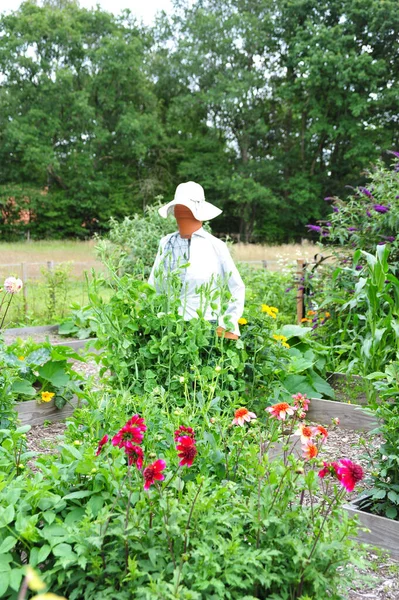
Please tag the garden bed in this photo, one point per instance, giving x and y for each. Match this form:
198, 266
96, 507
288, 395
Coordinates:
383, 532
42, 333
351, 416
32, 413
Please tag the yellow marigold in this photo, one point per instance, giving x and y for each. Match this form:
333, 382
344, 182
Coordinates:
305, 320
327, 315
269, 310
285, 345
242, 321
280, 338
46, 396
21, 357
311, 313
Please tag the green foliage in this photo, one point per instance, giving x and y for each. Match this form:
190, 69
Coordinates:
57, 280
79, 323
204, 532
270, 109
40, 367
370, 216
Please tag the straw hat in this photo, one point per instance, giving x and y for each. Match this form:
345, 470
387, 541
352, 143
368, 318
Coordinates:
192, 195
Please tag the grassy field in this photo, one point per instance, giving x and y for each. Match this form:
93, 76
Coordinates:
82, 254
28, 260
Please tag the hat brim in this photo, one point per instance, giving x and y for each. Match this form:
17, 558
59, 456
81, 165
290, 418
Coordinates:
203, 211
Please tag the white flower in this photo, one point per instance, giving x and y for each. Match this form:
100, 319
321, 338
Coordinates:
12, 285
181, 379
218, 368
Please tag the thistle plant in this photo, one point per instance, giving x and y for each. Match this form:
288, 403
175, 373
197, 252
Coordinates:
11, 286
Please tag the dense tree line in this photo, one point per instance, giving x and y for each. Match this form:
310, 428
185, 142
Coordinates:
270, 104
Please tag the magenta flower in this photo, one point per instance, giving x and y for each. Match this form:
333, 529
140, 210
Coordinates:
366, 192
184, 431
315, 228
349, 473
154, 473
129, 433
186, 451
101, 443
135, 455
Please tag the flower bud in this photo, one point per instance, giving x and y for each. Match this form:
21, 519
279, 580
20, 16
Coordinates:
77, 443
218, 368
212, 420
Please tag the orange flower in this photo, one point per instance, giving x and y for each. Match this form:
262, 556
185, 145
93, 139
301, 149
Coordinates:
327, 315
305, 432
305, 320
311, 313
243, 415
309, 451
281, 410
320, 430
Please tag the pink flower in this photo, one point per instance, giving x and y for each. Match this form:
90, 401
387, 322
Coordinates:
320, 430
305, 432
128, 433
349, 473
301, 401
135, 455
137, 421
280, 410
335, 421
184, 431
153, 473
186, 450
242, 415
101, 443
329, 469
12, 285
309, 451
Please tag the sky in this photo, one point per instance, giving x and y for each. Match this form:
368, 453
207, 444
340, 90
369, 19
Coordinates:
144, 9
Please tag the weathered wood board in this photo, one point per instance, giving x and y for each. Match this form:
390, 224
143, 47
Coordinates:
351, 416
15, 331
32, 413
383, 533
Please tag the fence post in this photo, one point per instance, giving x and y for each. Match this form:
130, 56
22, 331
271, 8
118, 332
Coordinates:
300, 308
24, 277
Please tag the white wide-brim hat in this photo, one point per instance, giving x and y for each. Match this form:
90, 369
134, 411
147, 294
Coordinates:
192, 195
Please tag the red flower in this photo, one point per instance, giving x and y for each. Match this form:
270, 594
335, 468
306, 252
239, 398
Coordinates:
129, 433
153, 473
184, 431
137, 421
135, 455
349, 473
186, 450
242, 415
329, 469
101, 443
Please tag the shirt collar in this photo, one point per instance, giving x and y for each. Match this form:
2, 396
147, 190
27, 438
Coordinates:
200, 232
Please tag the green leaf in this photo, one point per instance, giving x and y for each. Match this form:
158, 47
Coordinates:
16, 576
38, 357
290, 331
6, 515
391, 512
8, 544
21, 386
79, 494
55, 373
43, 553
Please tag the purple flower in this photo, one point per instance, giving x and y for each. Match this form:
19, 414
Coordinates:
381, 243
325, 234
396, 197
335, 209
394, 153
358, 267
288, 290
380, 208
389, 238
316, 228
366, 192
328, 198
368, 213
352, 228
328, 224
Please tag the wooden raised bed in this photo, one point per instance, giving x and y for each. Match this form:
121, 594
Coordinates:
383, 532
351, 416
26, 331
32, 413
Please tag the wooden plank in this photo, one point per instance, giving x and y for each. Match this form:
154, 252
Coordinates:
75, 344
351, 416
29, 330
383, 533
32, 413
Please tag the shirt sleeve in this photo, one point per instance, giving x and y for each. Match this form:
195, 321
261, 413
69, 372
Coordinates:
237, 289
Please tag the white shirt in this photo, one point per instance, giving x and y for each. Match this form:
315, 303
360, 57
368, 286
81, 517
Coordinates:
209, 263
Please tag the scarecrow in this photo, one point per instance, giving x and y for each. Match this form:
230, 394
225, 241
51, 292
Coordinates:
200, 258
